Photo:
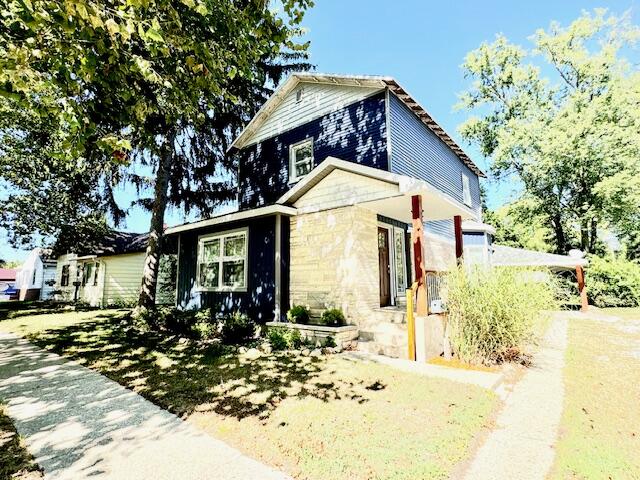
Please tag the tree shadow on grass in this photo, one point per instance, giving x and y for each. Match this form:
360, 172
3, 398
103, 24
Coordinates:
188, 377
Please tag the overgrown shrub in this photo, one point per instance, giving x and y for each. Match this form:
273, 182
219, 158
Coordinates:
189, 323
237, 328
613, 282
298, 314
333, 317
282, 338
493, 314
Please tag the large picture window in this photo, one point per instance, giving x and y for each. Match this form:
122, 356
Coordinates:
222, 261
301, 160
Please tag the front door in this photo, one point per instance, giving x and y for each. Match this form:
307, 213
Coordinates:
383, 258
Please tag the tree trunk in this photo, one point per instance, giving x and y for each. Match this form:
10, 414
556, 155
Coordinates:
558, 229
593, 235
147, 298
584, 235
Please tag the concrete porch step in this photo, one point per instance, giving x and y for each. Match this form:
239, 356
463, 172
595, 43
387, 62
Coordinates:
376, 348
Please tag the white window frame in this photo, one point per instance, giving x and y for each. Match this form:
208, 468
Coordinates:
293, 176
466, 190
202, 239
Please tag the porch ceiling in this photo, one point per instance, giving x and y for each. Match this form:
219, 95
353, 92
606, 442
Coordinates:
435, 206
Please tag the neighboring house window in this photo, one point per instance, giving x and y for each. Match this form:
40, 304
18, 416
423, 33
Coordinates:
466, 191
301, 159
33, 278
64, 277
96, 268
87, 273
222, 261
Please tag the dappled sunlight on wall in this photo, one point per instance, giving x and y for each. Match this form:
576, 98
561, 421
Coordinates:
354, 133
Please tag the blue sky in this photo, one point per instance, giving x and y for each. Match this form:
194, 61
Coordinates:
420, 43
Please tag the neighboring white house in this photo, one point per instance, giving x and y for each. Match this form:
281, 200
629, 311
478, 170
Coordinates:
108, 274
36, 276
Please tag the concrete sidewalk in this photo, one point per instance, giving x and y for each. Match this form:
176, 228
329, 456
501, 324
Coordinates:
522, 444
79, 424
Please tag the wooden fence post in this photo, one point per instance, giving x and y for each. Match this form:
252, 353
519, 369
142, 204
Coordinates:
584, 301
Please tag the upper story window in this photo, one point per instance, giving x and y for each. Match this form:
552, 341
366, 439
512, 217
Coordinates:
222, 261
466, 190
300, 159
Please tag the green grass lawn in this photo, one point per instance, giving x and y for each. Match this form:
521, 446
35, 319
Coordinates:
331, 417
600, 426
15, 462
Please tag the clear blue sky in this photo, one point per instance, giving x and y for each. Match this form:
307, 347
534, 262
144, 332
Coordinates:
422, 44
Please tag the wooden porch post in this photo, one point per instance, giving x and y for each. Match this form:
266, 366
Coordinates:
417, 239
584, 301
457, 228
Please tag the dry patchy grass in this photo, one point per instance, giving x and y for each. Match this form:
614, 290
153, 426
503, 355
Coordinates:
600, 427
331, 417
15, 461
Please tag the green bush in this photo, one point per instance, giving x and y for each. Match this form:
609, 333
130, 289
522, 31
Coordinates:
298, 314
493, 314
237, 328
330, 342
282, 338
613, 282
333, 317
199, 324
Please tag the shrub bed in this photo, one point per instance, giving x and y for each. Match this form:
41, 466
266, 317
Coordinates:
231, 328
493, 314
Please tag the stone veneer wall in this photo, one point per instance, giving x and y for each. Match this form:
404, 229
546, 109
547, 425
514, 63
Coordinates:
334, 261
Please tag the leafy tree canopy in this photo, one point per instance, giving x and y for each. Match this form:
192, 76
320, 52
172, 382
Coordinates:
572, 136
142, 91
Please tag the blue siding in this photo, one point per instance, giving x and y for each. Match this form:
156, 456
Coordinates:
444, 228
355, 133
417, 152
259, 299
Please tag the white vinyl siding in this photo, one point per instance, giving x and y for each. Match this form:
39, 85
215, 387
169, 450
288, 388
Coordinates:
122, 277
316, 100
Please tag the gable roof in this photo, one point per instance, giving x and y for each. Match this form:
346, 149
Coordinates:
353, 80
442, 205
118, 243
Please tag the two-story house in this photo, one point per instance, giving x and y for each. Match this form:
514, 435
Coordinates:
327, 169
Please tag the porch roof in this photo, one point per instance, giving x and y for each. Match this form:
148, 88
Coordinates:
233, 217
504, 256
388, 194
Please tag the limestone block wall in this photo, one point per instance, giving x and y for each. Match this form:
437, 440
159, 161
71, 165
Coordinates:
334, 261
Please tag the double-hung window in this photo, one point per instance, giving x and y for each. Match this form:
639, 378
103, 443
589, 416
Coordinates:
300, 159
222, 261
466, 191
64, 276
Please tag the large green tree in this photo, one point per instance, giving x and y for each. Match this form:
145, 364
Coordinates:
152, 86
564, 117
